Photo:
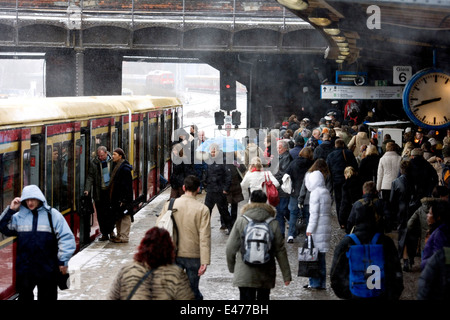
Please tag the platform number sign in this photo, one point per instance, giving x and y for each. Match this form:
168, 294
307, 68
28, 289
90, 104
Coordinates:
402, 74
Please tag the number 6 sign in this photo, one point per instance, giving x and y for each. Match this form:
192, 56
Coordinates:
401, 74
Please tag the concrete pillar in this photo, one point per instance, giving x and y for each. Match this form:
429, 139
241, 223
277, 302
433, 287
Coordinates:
60, 73
102, 72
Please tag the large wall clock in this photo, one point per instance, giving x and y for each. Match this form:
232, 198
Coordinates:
426, 99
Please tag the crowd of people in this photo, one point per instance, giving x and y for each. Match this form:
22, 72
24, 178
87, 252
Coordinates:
372, 187
392, 187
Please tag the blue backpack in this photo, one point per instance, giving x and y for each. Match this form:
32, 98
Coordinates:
366, 261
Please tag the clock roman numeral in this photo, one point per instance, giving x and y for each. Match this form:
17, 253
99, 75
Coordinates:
434, 120
423, 119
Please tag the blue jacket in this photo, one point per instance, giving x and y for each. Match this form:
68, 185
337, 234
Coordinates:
38, 253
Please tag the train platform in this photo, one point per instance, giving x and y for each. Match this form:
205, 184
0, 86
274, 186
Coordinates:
94, 268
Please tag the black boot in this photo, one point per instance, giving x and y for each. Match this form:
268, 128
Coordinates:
406, 266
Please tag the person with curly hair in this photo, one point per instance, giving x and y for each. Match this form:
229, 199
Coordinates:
152, 275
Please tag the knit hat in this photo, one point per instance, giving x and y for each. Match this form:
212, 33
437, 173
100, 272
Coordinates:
120, 152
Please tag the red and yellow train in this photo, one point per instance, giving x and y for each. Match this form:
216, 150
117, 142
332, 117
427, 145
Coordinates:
49, 142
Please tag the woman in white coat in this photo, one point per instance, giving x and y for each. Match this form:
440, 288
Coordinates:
319, 224
256, 175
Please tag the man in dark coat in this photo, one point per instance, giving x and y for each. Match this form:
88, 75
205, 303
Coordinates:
121, 195
337, 161
218, 183
401, 204
98, 179
325, 148
284, 159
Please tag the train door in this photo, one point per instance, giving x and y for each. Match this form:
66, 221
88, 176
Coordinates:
81, 157
60, 171
162, 170
152, 155
102, 132
167, 136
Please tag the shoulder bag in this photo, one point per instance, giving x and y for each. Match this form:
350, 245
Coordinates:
308, 260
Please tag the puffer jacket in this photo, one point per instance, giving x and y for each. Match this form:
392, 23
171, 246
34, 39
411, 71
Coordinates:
256, 276
38, 253
319, 224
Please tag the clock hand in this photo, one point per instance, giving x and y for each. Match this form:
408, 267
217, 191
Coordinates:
427, 102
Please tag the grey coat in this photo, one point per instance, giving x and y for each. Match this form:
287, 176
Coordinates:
94, 179
256, 276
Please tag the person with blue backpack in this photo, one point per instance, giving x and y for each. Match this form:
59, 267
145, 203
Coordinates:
381, 277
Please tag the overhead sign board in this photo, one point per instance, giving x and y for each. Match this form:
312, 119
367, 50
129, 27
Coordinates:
348, 77
360, 92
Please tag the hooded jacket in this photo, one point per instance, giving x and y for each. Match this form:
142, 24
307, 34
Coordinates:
319, 223
256, 276
38, 254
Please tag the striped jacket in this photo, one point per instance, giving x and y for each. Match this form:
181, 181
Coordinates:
168, 282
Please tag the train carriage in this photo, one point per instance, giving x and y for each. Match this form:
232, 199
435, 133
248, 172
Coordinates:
49, 142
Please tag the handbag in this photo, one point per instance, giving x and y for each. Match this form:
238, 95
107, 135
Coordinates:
300, 225
286, 186
63, 280
167, 221
308, 260
271, 191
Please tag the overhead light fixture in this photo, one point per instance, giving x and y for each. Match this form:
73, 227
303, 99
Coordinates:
338, 38
344, 53
339, 61
319, 17
342, 44
332, 29
344, 49
294, 4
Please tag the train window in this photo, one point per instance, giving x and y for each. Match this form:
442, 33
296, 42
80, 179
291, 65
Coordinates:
60, 175
101, 139
167, 136
125, 142
27, 167
136, 140
153, 142
10, 177
80, 163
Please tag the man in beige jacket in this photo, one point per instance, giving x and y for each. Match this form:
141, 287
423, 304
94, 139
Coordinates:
193, 233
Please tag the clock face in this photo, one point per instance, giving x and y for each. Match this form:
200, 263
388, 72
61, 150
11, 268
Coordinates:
426, 99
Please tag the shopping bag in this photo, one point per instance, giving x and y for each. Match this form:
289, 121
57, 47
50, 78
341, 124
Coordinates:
308, 260
286, 186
